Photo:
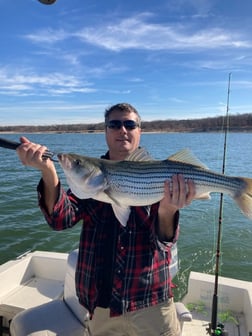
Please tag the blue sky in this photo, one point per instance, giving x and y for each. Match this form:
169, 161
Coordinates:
67, 62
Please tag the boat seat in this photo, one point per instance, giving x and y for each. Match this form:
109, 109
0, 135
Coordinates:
32, 279
64, 317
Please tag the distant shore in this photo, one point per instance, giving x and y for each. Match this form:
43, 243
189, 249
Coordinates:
236, 130
234, 123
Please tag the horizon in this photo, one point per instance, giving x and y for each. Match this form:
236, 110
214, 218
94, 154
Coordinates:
224, 116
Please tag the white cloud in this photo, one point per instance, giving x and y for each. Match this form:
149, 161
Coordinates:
48, 36
25, 81
137, 32
51, 112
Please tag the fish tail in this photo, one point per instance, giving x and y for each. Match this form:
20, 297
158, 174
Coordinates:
244, 200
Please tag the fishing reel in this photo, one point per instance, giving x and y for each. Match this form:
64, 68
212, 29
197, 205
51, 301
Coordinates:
47, 2
218, 331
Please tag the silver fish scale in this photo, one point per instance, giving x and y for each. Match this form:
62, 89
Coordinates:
137, 178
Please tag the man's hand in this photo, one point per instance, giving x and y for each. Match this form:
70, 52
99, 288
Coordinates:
178, 193
30, 154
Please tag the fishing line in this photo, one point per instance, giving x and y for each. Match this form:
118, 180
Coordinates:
221, 156
214, 327
222, 141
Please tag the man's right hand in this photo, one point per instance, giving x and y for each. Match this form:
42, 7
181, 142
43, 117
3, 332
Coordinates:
30, 154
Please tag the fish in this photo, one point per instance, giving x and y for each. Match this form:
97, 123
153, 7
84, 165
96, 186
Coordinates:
139, 180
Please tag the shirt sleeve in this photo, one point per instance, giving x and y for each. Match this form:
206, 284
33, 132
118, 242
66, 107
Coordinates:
176, 229
67, 209
172, 240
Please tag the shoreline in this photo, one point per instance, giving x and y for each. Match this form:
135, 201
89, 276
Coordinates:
143, 132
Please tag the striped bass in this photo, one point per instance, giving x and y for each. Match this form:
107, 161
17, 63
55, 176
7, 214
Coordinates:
139, 180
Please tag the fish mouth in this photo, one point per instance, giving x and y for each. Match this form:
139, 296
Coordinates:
64, 161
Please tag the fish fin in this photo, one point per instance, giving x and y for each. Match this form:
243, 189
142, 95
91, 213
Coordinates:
244, 199
139, 154
186, 156
122, 213
112, 199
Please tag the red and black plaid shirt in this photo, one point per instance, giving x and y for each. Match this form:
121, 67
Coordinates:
122, 268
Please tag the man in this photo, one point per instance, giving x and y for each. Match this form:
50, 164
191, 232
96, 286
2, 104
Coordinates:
122, 275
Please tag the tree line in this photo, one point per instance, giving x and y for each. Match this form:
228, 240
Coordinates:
236, 123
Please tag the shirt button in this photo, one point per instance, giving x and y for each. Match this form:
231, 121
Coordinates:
115, 292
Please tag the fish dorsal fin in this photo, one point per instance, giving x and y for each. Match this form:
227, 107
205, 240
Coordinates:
139, 154
187, 156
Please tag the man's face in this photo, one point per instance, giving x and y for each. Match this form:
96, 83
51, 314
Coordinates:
122, 139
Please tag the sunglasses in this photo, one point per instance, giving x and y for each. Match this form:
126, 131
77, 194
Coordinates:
117, 124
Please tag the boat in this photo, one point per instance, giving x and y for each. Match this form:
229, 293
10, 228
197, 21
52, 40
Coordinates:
235, 303
37, 298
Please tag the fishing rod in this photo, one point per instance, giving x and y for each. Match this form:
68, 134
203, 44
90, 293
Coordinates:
214, 327
5, 143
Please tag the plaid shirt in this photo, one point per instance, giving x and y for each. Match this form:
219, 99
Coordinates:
123, 268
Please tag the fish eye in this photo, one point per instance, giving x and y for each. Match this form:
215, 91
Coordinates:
77, 162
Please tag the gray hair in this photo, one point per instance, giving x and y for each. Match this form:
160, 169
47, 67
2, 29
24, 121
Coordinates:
121, 107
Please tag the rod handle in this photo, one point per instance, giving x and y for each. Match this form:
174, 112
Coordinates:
9, 144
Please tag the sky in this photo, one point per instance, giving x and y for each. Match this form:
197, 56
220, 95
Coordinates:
67, 62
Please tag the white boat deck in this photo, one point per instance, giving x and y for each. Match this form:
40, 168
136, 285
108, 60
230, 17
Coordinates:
35, 291
200, 324
40, 278
30, 281
234, 305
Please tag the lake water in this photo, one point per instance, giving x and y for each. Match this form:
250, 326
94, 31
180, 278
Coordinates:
22, 226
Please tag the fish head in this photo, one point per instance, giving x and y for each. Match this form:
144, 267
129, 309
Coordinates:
83, 174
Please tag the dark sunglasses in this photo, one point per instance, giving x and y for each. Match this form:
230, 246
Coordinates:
117, 124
